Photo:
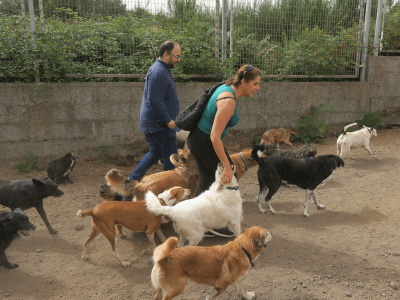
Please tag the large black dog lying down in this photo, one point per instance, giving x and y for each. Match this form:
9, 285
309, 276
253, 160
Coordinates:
11, 222
306, 173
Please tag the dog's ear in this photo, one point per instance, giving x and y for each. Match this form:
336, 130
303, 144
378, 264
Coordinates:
174, 158
258, 243
364, 126
38, 183
18, 210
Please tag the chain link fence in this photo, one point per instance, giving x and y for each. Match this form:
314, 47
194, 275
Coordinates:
119, 39
390, 33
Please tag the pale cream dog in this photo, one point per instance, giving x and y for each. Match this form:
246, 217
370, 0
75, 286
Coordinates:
218, 207
356, 139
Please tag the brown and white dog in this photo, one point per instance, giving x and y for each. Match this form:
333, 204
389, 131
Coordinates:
356, 139
132, 215
277, 135
216, 266
184, 175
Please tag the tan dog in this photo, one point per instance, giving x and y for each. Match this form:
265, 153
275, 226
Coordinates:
132, 215
216, 266
277, 135
184, 175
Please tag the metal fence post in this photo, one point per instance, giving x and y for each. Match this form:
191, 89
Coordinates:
33, 33
23, 11
231, 33
383, 24
378, 27
217, 37
365, 40
224, 32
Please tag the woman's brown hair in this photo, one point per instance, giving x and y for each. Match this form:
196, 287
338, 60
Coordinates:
240, 74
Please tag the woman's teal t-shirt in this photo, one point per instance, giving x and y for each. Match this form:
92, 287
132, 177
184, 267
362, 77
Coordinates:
207, 119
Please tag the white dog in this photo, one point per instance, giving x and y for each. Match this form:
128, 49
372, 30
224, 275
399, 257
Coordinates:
218, 207
356, 139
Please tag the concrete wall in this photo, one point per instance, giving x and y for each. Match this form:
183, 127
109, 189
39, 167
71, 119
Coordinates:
82, 116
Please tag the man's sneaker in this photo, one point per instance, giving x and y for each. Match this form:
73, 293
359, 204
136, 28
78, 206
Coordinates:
220, 232
209, 234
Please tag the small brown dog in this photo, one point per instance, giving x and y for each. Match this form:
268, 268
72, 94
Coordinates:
132, 215
277, 135
216, 266
184, 175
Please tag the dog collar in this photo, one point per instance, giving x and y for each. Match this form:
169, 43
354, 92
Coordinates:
248, 255
245, 165
369, 131
232, 188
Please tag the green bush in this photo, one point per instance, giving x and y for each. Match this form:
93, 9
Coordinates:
29, 164
372, 119
311, 127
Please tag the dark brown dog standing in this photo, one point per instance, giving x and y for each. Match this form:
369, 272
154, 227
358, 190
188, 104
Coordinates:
277, 135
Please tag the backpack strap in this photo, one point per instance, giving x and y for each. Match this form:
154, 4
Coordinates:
225, 98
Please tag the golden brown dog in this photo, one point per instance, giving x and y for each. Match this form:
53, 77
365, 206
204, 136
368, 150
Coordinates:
243, 162
132, 215
217, 266
277, 135
184, 175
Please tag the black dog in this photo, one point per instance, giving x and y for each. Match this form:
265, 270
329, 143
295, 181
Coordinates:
58, 170
26, 194
306, 173
11, 222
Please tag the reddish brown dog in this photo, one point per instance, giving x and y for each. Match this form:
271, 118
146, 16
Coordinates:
184, 175
217, 266
277, 135
132, 215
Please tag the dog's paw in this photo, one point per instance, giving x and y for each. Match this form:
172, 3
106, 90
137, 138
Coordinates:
85, 257
52, 231
306, 215
10, 265
244, 200
273, 211
321, 206
122, 235
147, 251
250, 296
262, 210
125, 264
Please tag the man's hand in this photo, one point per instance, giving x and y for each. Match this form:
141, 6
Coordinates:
171, 124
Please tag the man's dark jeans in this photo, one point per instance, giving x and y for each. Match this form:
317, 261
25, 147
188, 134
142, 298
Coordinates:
162, 144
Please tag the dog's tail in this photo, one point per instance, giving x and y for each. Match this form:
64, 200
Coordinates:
165, 248
154, 206
258, 152
158, 254
85, 213
345, 128
120, 183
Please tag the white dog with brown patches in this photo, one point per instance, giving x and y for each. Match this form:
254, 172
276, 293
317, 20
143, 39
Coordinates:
356, 139
218, 207
216, 266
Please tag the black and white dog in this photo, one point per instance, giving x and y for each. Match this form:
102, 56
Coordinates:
306, 173
58, 170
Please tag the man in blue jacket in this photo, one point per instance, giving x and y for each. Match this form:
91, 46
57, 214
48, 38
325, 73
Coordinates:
160, 106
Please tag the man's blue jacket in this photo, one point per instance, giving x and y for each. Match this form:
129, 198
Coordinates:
160, 102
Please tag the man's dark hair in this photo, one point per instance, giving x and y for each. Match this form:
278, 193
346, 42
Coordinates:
167, 46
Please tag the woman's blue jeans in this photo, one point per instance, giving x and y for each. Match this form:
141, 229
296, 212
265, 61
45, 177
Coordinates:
162, 144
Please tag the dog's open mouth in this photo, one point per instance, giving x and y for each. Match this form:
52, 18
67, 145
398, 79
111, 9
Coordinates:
24, 232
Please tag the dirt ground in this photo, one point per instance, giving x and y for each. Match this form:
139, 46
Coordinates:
350, 249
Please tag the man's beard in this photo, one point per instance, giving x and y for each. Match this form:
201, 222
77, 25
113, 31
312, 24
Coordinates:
171, 64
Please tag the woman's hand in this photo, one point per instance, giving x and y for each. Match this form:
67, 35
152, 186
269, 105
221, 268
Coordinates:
227, 175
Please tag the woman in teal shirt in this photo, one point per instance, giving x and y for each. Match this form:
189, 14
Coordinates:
205, 141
